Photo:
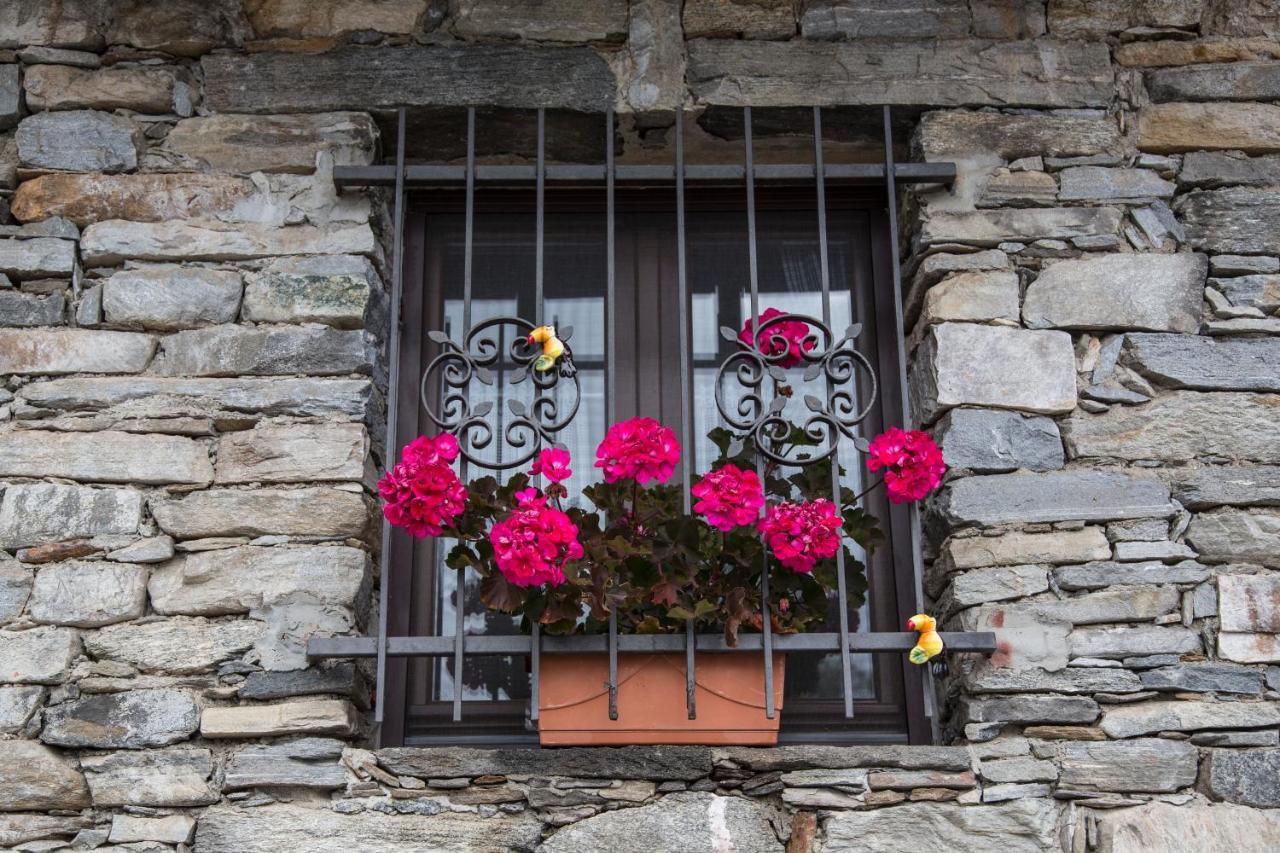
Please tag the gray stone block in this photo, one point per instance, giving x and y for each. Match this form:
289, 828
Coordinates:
1205, 364
1123, 721
32, 309
10, 96
1077, 495
1127, 641
342, 680
1227, 535
1240, 220
37, 257
264, 351
36, 778
1229, 81
1071, 680
113, 241
1212, 169
36, 513
1021, 824
304, 763
152, 778
995, 227
1251, 291
959, 132
1029, 709
53, 351
261, 512
105, 457
1226, 485
1152, 292
1104, 185
335, 290
274, 143
1189, 826
1140, 765
1204, 678
79, 141
292, 453
86, 594
171, 297
700, 820
134, 719
1101, 574
988, 441
176, 646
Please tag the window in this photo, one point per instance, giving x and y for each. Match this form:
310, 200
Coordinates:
646, 373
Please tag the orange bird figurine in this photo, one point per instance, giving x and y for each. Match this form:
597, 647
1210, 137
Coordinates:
930, 643
552, 347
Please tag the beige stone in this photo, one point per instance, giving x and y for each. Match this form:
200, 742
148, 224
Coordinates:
105, 457
1150, 54
1171, 128
274, 143
1249, 603
303, 18
1010, 549
169, 829
973, 296
61, 87
53, 351
110, 242
308, 716
35, 778
1249, 648
292, 453
258, 512
89, 198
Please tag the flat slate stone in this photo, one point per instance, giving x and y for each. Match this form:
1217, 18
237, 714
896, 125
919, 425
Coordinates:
37, 656
1000, 583
54, 351
302, 763
335, 290
292, 453
134, 719
681, 821
37, 257
108, 243
1026, 826
105, 457
967, 364
1242, 220
36, 513
1224, 485
1163, 293
1205, 364
1077, 495
1175, 128
274, 143
156, 778
1250, 778
1180, 426
1072, 680
760, 73
260, 512
659, 763
989, 441
557, 20
1228, 81
79, 141
993, 227
264, 351
34, 777
281, 826
1109, 185
1029, 709
1212, 169
88, 594
1234, 535
177, 646
1129, 641
342, 680
32, 309
1101, 574
1188, 826
959, 132
1124, 721
517, 76
1204, 678
1141, 765
171, 297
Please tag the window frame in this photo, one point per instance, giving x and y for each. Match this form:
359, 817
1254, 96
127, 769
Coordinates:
490, 723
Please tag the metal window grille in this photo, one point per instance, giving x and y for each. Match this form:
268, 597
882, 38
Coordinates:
834, 362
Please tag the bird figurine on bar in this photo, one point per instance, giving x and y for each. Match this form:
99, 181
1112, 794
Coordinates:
552, 347
930, 642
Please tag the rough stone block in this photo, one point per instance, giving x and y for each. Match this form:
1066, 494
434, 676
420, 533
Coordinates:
171, 297
304, 716
1143, 764
274, 143
363, 78
264, 351
53, 351
964, 364
31, 309
237, 580
1021, 769
187, 28
1124, 721
972, 296
1180, 426
176, 646
292, 453
1118, 604
1205, 364
261, 512
1130, 641
1029, 709
38, 257
959, 133
88, 198
987, 678
760, 73
156, 778
34, 777
1094, 19
1220, 485
1189, 826
108, 243
35, 513
1077, 495
993, 227
1016, 548
105, 457
700, 819
37, 656
551, 20
88, 594
342, 679
763, 19
73, 23
15, 588
998, 584
1234, 81
1111, 186
1211, 169
1163, 293
329, 19
302, 763
79, 141
334, 290
170, 829
281, 826
18, 708
1249, 603
1025, 825
134, 719
1227, 535
987, 441
143, 90
1251, 291
10, 96
1250, 778
1244, 220
861, 19
1204, 678
1173, 128
1249, 648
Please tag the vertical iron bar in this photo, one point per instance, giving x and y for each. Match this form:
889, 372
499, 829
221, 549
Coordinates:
891, 190
610, 276
393, 413
846, 658
460, 575
535, 659
765, 610
686, 407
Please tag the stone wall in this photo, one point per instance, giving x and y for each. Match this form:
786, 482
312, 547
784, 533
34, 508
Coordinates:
192, 324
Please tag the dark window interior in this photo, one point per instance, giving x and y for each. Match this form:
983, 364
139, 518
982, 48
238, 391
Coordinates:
648, 382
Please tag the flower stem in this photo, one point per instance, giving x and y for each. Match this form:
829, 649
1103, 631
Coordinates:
859, 495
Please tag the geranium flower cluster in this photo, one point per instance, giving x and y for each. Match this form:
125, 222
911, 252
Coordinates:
912, 464
795, 332
639, 449
533, 543
553, 463
422, 493
800, 534
729, 497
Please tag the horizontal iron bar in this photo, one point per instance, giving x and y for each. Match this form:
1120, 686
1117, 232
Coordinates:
430, 175
884, 641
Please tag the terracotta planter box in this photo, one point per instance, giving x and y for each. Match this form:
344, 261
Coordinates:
574, 702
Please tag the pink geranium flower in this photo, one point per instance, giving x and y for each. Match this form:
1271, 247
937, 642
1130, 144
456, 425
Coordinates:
912, 464
553, 463
800, 534
794, 332
729, 497
422, 493
532, 545
639, 449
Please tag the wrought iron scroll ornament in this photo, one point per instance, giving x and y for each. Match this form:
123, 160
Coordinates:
836, 362
484, 352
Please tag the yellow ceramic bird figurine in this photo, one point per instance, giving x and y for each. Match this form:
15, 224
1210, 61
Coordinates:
930, 643
552, 347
